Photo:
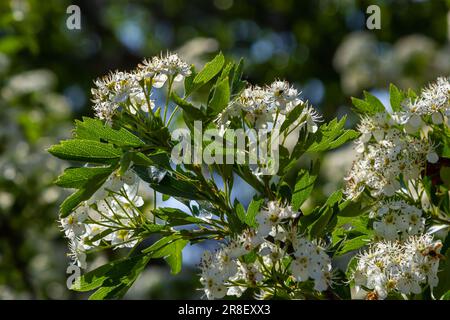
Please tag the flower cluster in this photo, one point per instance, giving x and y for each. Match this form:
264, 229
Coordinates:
388, 146
381, 163
262, 106
131, 90
230, 271
397, 220
392, 267
110, 216
434, 103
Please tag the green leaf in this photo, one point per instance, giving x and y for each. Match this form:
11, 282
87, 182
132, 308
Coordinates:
361, 106
96, 130
326, 215
193, 112
72, 201
172, 186
348, 208
225, 72
445, 296
85, 151
396, 98
151, 228
445, 152
292, 117
240, 212
80, 177
252, 211
189, 86
158, 158
374, 103
176, 217
210, 70
318, 228
175, 258
111, 275
351, 266
170, 248
112, 292
303, 187
331, 135
220, 98
354, 244
237, 85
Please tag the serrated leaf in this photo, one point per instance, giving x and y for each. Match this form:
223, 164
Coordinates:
303, 188
96, 130
292, 117
252, 211
78, 177
189, 86
176, 217
237, 85
354, 244
361, 106
240, 212
346, 136
193, 112
331, 135
113, 274
318, 228
325, 215
170, 185
175, 259
351, 266
170, 248
396, 97
72, 201
210, 70
85, 151
220, 97
374, 102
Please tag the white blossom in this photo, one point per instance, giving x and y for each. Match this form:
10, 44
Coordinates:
388, 267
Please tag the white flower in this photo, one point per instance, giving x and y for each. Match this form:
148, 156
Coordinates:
399, 267
159, 69
271, 216
312, 118
111, 91
311, 262
433, 101
381, 163
77, 253
213, 276
123, 239
281, 96
73, 225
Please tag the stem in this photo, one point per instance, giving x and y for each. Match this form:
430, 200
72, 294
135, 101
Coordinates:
169, 90
171, 116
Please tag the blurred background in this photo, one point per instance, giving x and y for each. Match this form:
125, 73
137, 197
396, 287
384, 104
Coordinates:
46, 71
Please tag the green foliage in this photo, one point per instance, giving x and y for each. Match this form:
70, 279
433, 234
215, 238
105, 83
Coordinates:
80, 177
370, 105
303, 187
331, 136
85, 151
96, 130
113, 279
209, 71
